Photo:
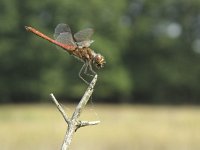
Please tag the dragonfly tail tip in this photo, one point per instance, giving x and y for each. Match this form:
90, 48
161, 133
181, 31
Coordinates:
27, 28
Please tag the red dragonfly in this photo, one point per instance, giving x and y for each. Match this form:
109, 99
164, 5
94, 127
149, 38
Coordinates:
77, 45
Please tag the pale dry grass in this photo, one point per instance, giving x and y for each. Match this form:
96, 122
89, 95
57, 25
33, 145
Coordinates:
123, 127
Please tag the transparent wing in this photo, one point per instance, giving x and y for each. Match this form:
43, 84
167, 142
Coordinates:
63, 34
60, 28
83, 35
66, 38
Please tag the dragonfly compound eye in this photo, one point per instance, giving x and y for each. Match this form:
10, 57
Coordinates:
99, 61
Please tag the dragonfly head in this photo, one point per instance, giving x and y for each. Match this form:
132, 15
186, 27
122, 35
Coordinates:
99, 61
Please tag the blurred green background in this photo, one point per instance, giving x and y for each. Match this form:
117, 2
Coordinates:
152, 50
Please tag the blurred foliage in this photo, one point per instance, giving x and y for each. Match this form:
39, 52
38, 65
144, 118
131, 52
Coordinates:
152, 50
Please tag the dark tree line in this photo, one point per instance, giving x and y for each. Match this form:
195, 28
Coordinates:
152, 50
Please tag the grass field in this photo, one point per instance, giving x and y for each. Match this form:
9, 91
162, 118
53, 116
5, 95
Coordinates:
122, 127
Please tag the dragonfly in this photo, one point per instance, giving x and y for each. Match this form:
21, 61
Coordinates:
77, 45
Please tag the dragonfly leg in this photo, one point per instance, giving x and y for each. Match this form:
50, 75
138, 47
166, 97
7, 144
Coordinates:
86, 70
90, 68
80, 72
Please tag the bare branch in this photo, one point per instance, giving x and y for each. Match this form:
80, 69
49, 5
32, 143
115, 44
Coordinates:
84, 99
88, 123
73, 123
60, 108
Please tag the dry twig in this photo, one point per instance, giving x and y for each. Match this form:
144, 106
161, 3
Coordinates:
73, 122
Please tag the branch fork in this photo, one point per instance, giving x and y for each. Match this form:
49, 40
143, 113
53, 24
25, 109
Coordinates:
73, 123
